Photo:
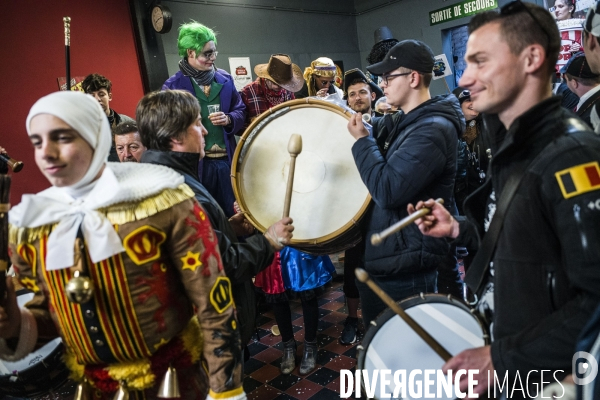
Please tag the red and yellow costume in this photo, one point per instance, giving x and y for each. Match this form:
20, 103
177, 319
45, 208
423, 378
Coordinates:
164, 301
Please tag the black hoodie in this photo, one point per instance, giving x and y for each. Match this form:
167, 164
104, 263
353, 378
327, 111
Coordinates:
413, 158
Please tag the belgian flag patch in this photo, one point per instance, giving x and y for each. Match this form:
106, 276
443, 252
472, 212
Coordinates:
579, 179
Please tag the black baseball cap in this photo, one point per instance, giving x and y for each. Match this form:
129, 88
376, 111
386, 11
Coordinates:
411, 54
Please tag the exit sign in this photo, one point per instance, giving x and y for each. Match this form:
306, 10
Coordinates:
460, 10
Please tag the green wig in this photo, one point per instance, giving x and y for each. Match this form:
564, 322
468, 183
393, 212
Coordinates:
194, 36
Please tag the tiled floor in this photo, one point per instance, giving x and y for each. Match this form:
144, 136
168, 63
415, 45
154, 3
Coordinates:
262, 378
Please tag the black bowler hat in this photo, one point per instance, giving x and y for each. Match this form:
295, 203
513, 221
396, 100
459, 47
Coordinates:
462, 94
411, 54
382, 34
354, 74
578, 67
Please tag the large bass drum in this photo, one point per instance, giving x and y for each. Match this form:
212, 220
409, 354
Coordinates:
39, 373
329, 196
391, 344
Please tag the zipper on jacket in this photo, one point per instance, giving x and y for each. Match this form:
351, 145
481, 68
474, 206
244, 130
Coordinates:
551, 285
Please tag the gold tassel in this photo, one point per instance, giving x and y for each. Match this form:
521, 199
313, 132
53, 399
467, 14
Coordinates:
18, 235
122, 393
169, 387
136, 211
83, 391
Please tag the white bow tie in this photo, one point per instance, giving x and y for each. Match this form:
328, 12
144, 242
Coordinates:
101, 238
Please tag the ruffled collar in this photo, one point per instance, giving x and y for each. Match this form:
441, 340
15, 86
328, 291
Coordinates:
119, 183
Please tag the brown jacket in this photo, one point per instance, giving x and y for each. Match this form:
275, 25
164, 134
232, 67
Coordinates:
144, 298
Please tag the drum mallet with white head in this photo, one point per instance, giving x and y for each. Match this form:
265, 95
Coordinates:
294, 148
377, 238
364, 277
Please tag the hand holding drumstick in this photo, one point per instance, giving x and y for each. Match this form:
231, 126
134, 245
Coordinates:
378, 238
284, 225
438, 222
278, 234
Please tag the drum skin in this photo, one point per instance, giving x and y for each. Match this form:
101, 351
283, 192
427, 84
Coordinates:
328, 196
390, 343
39, 372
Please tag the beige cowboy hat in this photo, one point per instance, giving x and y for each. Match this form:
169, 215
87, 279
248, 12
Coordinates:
282, 71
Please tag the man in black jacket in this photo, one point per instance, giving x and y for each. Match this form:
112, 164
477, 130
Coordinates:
411, 157
100, 88
545, 270
170, 127
584, 83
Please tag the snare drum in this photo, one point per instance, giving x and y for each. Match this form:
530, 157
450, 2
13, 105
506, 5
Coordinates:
36, 374
390, 343
329, 196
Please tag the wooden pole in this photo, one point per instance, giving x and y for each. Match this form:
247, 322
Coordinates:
4, 207
67, 24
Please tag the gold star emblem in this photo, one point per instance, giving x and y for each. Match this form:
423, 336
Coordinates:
160, 344
30, 284
191, 261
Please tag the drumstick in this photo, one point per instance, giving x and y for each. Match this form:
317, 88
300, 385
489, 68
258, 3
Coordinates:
364, 277
377, 238
294, 148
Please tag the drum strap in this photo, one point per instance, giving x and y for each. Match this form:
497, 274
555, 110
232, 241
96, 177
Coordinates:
481, 262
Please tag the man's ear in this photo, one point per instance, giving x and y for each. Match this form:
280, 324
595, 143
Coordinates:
535, 56
373, 95
593, 41
176, 141
415, 79
191, 53
110, 96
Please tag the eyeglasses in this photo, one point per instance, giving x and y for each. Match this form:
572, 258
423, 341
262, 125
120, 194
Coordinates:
517, 6
326, 82
385, 78
207, 55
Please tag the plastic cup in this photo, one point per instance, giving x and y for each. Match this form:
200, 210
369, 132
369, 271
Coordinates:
213, 108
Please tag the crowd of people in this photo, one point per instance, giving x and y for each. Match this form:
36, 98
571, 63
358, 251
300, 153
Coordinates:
174, 268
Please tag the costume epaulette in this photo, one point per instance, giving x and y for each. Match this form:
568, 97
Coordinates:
117, 214
18, 235
123, 213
